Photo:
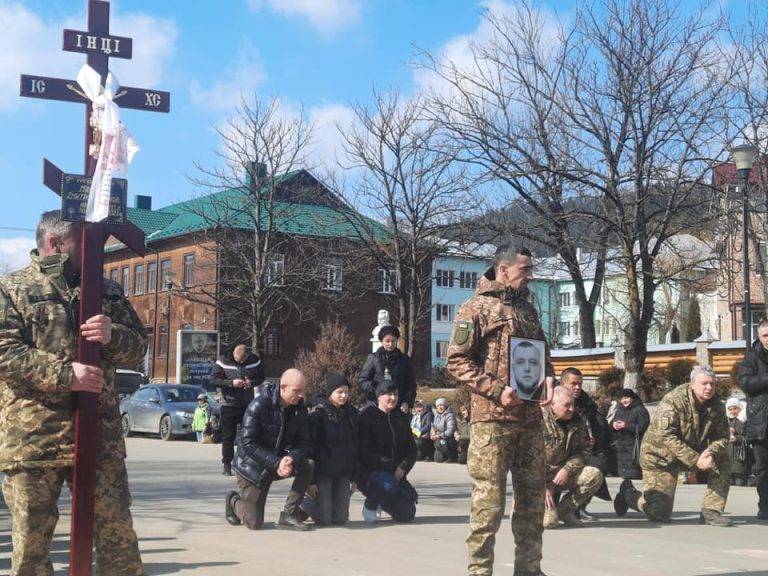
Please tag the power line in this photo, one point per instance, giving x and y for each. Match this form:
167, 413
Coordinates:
17, 229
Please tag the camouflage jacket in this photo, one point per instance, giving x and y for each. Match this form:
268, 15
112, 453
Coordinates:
38, 342
566, 443
681, 430
478, 355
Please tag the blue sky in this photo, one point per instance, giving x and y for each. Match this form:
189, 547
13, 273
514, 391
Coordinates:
324, 54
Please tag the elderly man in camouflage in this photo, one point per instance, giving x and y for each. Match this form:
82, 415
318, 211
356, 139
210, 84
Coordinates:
39, 326
689, 431
506, 432
568, 448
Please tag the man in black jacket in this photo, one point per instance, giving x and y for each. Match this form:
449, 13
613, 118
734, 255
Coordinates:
387, 453
274, 444
235, 375
599, 432
753, 379
388, 363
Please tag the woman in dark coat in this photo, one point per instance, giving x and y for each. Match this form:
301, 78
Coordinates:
628, 426
389, 363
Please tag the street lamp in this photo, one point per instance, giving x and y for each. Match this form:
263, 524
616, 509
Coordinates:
744, 157
168, 281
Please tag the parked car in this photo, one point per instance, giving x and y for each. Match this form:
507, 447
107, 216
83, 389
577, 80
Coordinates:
128, 381
164, 409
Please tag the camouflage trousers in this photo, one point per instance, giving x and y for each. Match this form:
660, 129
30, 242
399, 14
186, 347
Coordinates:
581, 488
496, 449
659, 485
32, 496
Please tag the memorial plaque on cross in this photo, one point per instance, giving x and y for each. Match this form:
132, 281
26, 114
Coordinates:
99, 46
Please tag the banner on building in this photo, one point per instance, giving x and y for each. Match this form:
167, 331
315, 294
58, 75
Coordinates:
196, 354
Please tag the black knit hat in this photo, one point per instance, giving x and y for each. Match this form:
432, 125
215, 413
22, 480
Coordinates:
385, 386
334, 380
388, 329
625, 392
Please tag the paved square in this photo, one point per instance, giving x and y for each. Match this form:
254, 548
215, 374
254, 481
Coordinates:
178, 495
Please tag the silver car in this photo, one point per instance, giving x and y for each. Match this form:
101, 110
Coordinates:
164, 409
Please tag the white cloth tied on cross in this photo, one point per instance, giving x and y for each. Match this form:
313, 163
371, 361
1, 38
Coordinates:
117, 145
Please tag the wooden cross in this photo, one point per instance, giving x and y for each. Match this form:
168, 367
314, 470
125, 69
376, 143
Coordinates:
99, 45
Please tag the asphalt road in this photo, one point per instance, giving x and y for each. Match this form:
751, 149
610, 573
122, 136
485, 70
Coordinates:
178, 503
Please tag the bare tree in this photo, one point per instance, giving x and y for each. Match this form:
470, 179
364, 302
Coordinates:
644, 96
501, 111
408, 182
253, 203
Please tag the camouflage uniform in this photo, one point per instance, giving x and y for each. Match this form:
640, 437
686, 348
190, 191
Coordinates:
567, 444
38, 342
503, 439
680, 431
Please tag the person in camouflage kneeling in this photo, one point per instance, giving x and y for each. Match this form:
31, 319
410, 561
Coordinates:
39, 328
689, 431
568, 448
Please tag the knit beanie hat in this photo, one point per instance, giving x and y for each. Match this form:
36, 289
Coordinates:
334, 380
388, 329
385, 386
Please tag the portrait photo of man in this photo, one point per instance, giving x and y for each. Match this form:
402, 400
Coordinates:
526, 366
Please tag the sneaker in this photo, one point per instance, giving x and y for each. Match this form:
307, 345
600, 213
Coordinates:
714, 518
227, 471
229, 508
290, 522
371, 516
620, 504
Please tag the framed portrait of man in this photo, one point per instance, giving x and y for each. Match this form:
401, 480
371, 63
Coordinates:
526, 367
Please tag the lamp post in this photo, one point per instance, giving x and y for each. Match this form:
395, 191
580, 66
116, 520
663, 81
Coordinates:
168, 281
744, 157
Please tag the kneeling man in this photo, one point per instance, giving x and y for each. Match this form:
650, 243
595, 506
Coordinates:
568, 449
689, 431
274, 443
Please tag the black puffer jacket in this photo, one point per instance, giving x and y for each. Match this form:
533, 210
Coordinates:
598, 426
400, 369
228, 370
270, 432
636, 420
753, 379
385, 442
334, 440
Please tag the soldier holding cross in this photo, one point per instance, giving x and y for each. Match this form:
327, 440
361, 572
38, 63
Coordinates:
39, 327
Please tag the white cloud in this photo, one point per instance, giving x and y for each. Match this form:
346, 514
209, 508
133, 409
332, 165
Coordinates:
328, 17
241, 80
14, 253
330, 122
30, 44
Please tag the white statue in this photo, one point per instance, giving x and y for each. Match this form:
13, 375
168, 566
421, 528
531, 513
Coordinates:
382, 320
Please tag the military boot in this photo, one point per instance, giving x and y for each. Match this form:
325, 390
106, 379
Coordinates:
714, 518
566, 511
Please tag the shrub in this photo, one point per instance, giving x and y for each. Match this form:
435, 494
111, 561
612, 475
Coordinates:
438, 378
335, 350
608, 382
679, 371
653, 384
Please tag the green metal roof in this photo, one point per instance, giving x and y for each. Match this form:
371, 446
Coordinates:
233, 208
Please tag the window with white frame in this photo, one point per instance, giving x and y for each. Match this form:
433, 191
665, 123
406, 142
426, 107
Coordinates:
564, 328
444, 312
188, 274
565, 299
598, 327
386, 282
441, 349
575, 328
444, 278
332, 276
138, 279
468, 280
276, 270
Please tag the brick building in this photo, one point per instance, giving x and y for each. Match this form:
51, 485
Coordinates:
175, 285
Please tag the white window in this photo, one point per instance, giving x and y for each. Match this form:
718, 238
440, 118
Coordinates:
598, 327
565, 299
444, 312
468, 280
575, 328
441, 349
276, 270
445, 278
386, 284
332, 276
564, 328
606, 296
